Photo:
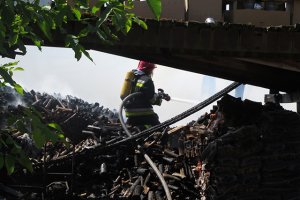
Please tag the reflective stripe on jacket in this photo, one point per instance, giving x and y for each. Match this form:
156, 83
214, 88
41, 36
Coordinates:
139, 112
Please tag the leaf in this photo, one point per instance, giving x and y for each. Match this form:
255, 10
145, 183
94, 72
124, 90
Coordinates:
46, 28
32, 113
18, 69
100, 3
2, 141
140, 23
36, 40
22, 47
128, 25
9, 164
5, 75
95, 9
60, 17
87, 54
55, 126
1, 161
13, 40
61, 136
8, 15
19, 88
15, 151
155, 6
129, 5
10, 64
101, 35
40, 131
109, 36
38, 43
78, 53
10, 4
38, 137
21, 126
9, 140
25, 162
103, 17
119, 19
84, 32
3, 50
77, 13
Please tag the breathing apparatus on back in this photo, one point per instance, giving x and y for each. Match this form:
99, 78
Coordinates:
130, 78
127, 84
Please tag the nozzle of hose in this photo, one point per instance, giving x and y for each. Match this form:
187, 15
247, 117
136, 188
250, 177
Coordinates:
164, 95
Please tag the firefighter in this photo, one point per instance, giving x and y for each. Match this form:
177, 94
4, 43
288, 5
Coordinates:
139, 109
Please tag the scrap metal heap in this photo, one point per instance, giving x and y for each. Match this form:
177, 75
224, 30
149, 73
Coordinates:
240, 150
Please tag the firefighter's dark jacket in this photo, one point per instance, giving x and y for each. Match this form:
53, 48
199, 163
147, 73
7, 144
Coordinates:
141, 105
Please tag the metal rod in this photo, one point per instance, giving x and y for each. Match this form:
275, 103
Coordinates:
44, 169
73, 164
57, 173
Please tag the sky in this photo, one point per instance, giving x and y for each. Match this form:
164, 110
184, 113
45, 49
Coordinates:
55, 70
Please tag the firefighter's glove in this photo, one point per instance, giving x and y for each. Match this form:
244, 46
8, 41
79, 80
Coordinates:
163, 95
157, 99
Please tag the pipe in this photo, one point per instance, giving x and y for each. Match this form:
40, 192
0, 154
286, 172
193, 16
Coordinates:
161, 178
121, 112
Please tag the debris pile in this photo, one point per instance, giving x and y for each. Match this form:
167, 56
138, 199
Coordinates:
117, 173
71, 113
240, 150
257, 157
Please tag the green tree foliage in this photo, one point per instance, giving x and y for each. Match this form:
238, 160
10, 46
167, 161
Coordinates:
24, 22
6, 73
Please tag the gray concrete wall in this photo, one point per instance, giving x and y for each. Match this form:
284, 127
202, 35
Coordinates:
261, 17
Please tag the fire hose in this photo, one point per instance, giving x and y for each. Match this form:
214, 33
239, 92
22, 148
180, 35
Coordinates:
121, 112
147, 158
96, 149
177, 118
167, 123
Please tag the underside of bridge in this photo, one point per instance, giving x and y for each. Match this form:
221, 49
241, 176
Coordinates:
266, 57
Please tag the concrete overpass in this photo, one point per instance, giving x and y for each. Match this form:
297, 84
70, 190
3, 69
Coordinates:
266, 57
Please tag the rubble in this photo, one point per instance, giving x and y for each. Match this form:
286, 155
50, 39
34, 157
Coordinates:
240, 150
71, 113
117, 173
257, 157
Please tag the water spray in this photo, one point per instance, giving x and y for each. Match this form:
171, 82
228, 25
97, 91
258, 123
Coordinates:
187, 101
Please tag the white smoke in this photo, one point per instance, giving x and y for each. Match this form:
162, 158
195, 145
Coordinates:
15, 98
